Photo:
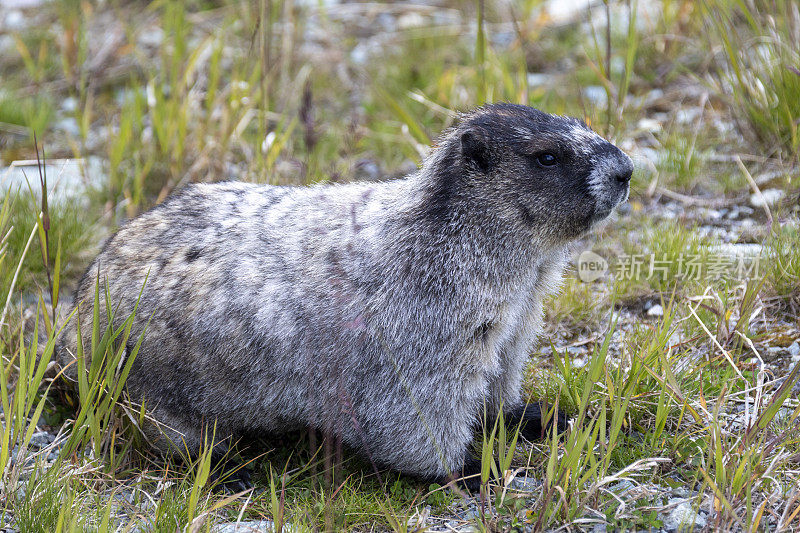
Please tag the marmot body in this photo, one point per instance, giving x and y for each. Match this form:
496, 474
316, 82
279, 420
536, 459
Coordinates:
388, 313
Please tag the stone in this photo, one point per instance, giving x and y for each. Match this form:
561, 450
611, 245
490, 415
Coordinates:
767, 197
525, 483
683, 517
255, 526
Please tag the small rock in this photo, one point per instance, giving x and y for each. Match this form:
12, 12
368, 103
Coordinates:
525, 483
68, 125
767, 197
794, 349
649, 124
387, 22
688, 116
622, 486
653, 96
737, 250
711, 214
656, 310
40, 439
683, 517
536, 79
471, 514
683, 492
255, 526
596, 95
15, 20
576, 350
69, 104
7, 44
151, 37
410, 20
6, 521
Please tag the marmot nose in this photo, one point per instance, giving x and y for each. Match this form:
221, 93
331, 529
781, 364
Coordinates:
623, 177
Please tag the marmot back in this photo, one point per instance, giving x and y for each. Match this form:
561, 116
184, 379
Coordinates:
386, 313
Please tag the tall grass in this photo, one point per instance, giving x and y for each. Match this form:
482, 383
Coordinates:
759, 71
601, 55
783, 265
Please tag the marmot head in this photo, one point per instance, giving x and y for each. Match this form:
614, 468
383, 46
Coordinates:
549, 173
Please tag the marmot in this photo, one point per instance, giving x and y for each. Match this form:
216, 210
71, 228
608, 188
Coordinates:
393, 314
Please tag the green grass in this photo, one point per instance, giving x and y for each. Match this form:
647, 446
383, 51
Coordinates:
72, 227
758, 69
783, 264
669, 257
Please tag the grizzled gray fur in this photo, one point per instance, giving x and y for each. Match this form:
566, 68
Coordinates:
391, 314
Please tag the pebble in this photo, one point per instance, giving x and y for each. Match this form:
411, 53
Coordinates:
767, 197
151, 37
536, 79
596, 94
41, 439
622, 486
411, 19
69, 104
68, 125
255, 526
683, 517
736, 250
14, 20
656, 310
525, 483
649, 124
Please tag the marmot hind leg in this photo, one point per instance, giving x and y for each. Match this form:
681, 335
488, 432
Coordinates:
535, 420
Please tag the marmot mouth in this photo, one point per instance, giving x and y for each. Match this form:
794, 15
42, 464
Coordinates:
605, 206
601, 214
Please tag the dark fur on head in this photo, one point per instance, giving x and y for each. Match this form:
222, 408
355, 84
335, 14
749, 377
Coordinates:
498, 149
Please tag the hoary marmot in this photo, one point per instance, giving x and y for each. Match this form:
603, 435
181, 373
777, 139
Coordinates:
392, 314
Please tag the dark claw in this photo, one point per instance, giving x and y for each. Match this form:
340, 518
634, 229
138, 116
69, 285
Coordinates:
231, 479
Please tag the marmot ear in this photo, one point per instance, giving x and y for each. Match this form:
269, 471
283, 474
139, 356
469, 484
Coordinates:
475, 148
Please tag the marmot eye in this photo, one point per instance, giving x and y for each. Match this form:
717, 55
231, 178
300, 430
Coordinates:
547, 159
